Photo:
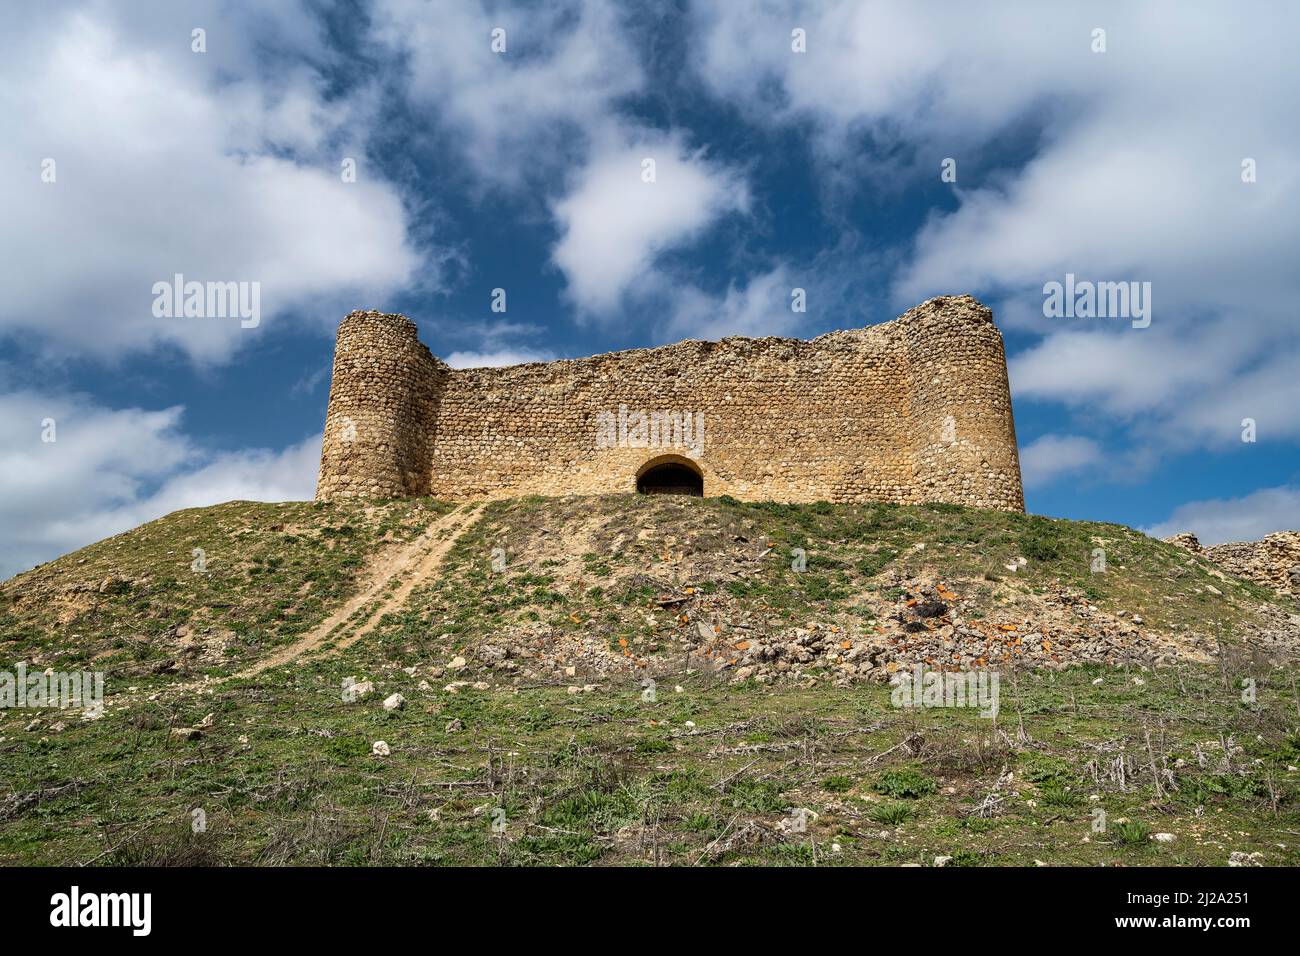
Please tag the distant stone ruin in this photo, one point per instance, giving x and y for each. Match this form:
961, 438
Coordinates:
913, 410
1273, 561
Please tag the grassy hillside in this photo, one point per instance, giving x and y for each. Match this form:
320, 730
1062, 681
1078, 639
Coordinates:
648, 680
136, 604
630, 580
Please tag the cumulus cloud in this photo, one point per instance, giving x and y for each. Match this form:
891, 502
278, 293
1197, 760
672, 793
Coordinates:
1054, 456
166, 161
759, 306
614, 224
1185, 386
108, 470
1247, 518
547, 113
888, 89
518, 115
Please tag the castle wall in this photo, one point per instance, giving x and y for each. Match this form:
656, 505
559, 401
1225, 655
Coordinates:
911, 410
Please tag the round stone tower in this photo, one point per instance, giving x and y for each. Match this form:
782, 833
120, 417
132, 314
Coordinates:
381, 397
963, 434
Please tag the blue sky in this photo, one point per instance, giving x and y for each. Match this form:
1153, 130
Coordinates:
521, 170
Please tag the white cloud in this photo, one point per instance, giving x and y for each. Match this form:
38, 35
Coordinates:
545, 114
109, 470
520, 114
1054, 456
1185, 386
761, 306
1248, 518
165, 164
909, 73
497, 358
250, 474
614, 224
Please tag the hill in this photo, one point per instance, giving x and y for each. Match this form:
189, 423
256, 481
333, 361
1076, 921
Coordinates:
632, 679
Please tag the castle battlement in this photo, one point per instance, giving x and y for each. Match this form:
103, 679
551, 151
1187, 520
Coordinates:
913, 410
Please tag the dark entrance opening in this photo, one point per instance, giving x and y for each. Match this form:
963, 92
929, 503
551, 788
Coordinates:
671, 478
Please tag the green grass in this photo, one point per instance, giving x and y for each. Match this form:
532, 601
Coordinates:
906, 784
837, 784
578, 786
206, 589
852, 552
285, 773
1053, 793
891, 814
1132, 833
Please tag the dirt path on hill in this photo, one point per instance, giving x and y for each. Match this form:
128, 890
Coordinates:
410, 565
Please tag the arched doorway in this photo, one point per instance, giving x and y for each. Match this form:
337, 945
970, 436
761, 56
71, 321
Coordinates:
670, 475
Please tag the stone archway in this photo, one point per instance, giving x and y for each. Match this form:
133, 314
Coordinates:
670, 475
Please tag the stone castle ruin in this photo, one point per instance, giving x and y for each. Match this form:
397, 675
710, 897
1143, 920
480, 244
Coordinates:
913, 410
1273, 561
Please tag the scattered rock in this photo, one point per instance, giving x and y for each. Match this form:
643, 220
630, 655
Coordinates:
358, 689
491, 654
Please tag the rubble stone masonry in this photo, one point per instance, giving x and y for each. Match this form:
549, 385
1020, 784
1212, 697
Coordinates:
1273, 561
909, 411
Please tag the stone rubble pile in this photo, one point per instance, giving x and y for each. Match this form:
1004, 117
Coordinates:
1273, 561
927, 623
